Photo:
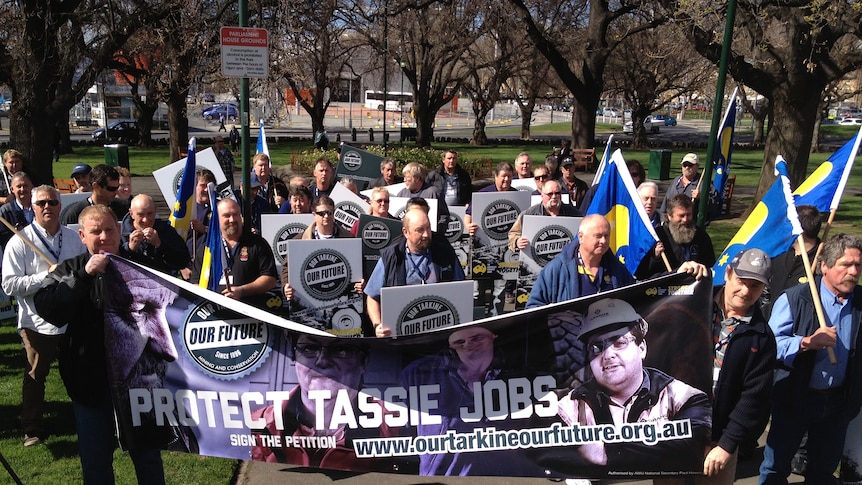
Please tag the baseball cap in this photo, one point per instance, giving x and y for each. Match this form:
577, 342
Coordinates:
606, 315
752, 264
567, 161
690, 158
81, 169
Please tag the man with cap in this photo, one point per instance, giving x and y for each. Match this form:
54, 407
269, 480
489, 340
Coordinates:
576, 187
743, 363
81, 176
688, 184
621, 390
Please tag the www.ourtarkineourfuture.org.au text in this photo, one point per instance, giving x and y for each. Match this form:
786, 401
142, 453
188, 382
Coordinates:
491, 439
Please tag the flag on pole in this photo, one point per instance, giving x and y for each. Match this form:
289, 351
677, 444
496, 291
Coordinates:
771, 227
262, 146
632, 234
723, 147
211, 265
181, 217
824, 187
604, 161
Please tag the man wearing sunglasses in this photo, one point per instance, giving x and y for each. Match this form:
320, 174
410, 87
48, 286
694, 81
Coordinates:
621, 390
551, 205
326, 366
23, 272
105, 181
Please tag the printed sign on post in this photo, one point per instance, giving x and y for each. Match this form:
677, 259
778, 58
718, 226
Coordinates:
244, 52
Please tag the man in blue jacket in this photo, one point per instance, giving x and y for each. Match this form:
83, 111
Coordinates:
584, 267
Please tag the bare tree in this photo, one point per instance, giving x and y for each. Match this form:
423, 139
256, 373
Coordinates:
651, 68
788, 52
759, 111
577, 39
528, 84
51, 52
315, 48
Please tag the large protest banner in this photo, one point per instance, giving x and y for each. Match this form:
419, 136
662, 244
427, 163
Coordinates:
240, 383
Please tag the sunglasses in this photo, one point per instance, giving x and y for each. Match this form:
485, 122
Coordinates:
110, 188
325, 213
687, 165
541, 177
51, 202
552, 194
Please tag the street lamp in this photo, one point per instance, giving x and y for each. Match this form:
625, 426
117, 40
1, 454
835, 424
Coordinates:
401, 95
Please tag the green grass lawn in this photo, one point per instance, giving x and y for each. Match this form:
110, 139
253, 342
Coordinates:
56, 461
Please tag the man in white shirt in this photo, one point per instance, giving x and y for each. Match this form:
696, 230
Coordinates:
23, 272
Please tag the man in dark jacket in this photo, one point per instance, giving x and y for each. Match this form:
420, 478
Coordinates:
679, 239
743, 364
76, 284
452, 180
159, 245
414, 259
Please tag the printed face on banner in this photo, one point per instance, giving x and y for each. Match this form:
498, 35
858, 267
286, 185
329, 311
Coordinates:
246, 384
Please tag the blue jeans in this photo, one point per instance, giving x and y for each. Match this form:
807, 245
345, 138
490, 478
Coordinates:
96, 443
824, 418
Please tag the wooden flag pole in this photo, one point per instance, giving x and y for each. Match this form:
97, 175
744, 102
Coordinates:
812, 285
27, 241
825, 234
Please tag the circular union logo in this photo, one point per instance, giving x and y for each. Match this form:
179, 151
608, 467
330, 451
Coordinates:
325, 274
426, 314
347, 213
283, 235
548, 243
454, 228
498, 218
352, 161
223, 343
346, 322
376, 235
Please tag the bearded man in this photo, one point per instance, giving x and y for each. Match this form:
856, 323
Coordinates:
680, 239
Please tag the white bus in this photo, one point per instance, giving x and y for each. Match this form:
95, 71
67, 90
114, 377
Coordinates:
395, 100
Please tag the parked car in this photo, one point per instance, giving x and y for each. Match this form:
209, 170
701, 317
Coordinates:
611, 112
649, 126
667, 120
851, 121
228, 110
125, 131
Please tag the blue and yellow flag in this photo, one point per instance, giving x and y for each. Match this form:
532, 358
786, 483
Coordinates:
262, 145
723, 147
181, 217
824, 187
632, 235
771, 227
211, 266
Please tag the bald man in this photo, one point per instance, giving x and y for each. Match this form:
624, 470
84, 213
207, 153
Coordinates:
155, 240
414, 259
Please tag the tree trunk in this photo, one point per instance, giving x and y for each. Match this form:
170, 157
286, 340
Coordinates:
32, 131
527, 118
424, 125
63, 143
480, 138
584, 122
793, 113
178, 123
